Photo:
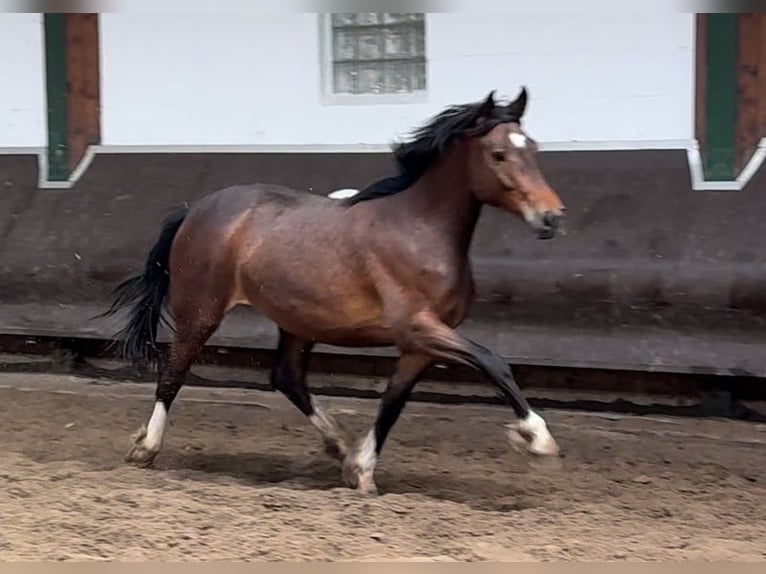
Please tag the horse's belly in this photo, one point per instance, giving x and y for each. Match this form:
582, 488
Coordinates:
348, 320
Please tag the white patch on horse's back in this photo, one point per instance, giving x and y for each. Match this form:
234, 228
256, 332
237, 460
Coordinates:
344, 193
517, 139
156, 427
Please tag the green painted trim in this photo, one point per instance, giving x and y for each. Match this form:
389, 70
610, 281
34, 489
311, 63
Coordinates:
56, 91
721, 97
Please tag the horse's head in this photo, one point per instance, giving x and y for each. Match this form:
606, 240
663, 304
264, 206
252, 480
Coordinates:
505, 171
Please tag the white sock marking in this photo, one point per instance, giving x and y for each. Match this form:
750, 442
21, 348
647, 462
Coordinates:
517, 139
155, 430
542, 441
366, 456
325, 424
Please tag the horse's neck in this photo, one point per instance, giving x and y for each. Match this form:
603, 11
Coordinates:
442, 198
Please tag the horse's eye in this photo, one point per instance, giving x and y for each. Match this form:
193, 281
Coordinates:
498, 156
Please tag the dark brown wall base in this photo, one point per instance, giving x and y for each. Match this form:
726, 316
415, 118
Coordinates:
644, 252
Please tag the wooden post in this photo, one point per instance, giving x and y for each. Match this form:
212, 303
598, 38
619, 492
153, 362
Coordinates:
730, 102
751, 86
72, 88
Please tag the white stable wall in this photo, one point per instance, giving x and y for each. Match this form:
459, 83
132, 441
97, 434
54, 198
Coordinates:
22, 81
187, 79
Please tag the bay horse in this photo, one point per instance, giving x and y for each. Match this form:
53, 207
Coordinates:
387, 267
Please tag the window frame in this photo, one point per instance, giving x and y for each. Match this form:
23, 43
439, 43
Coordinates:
329, 97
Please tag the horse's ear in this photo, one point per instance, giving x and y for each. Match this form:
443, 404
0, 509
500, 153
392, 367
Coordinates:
487, 107
519, 105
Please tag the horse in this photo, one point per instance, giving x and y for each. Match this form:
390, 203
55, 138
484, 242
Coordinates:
386, 267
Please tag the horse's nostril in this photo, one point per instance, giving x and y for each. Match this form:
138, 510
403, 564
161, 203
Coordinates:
551, 219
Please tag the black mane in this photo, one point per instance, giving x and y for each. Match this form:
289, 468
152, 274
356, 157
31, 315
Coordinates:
429, 141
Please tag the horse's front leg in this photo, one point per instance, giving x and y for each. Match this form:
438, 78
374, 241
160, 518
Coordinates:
430, 335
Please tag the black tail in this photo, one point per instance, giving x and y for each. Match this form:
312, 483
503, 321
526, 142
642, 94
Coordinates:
146, 293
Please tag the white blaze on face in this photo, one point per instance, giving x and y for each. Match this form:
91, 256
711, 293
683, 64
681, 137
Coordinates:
343, 193
517, 139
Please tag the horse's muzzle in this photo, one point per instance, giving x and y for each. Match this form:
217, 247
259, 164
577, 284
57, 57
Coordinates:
549, 224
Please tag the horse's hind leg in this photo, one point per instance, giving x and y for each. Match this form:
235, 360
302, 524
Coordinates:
192, 331
288, 375
359, 464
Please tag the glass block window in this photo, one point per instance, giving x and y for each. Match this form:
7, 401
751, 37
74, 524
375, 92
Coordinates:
378, 53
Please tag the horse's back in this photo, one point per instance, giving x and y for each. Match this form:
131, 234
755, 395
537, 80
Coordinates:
241, 197
220, 211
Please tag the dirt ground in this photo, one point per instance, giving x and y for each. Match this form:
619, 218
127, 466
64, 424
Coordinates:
242, 477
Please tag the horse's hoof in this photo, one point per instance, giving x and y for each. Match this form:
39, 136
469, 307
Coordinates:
367, 487
138, 454
139, 461
141, 457
518, 442
523, 441
362, 482
350, 476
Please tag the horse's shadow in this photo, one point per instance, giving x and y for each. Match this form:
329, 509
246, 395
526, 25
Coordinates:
257, 468
320, 473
